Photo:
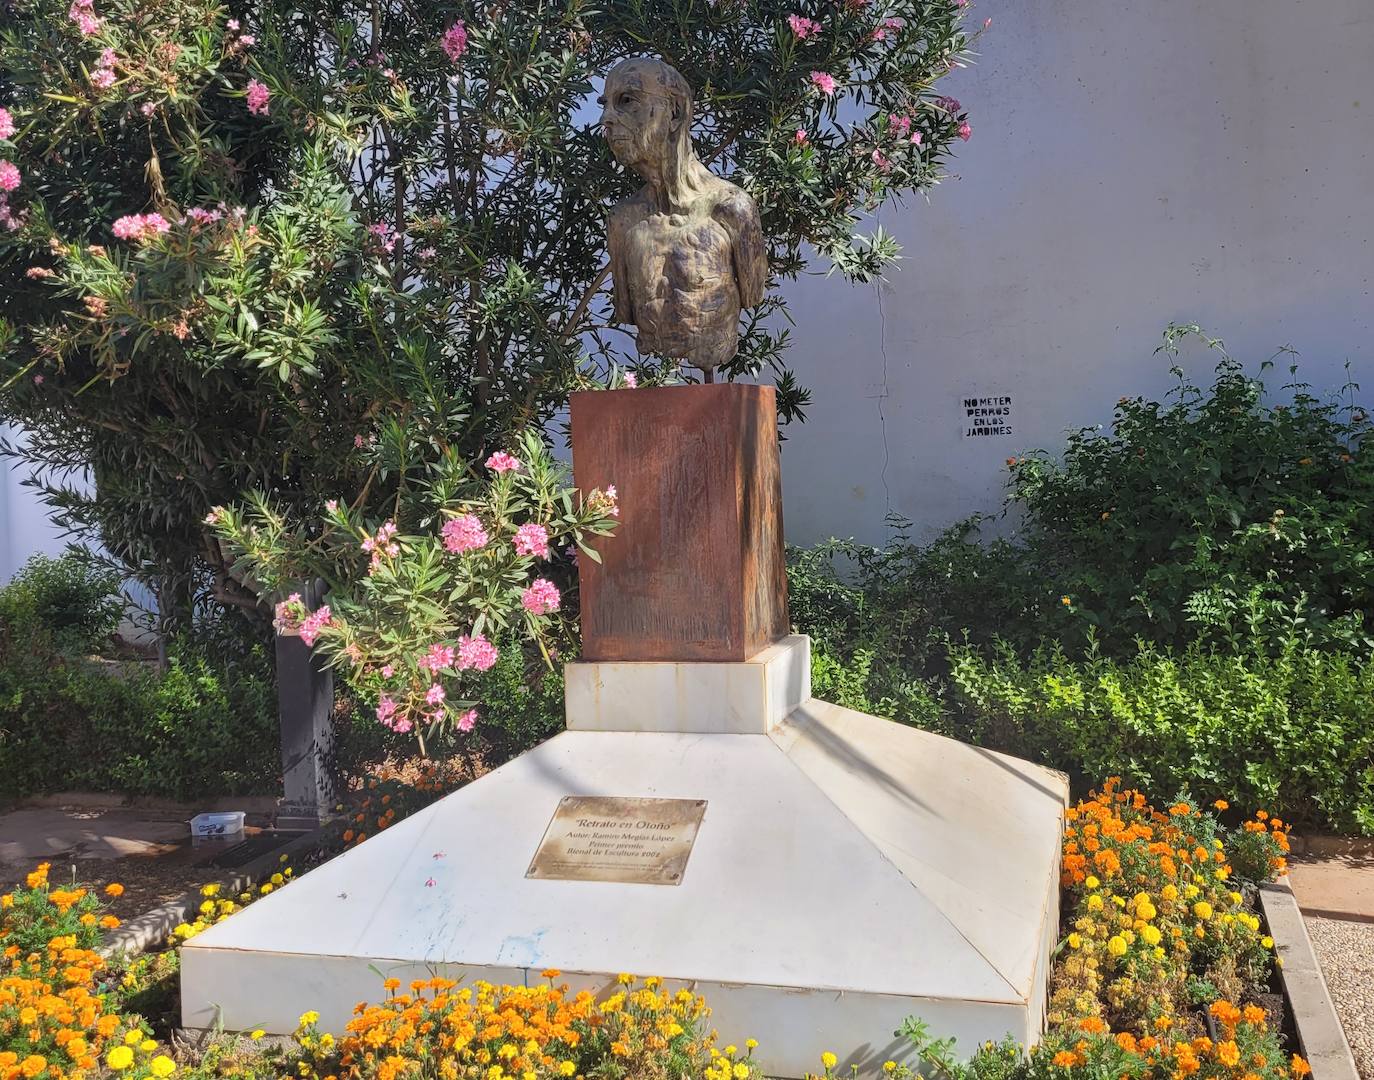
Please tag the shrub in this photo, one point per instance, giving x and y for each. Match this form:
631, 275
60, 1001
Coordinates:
207, 724
1294, 731
1216, 515
242, 244
70, 601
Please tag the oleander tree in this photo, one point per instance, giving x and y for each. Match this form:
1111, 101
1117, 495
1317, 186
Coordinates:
343, 250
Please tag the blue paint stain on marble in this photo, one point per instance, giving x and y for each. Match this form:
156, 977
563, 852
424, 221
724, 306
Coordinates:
522, 950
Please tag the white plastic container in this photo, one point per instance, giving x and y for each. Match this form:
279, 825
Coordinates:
222, 823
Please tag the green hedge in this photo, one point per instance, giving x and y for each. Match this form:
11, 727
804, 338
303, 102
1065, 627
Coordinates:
207, 725
1292, 733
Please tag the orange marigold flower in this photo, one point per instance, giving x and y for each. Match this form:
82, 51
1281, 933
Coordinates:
1299, 1067
1066, 1059
1228, 1053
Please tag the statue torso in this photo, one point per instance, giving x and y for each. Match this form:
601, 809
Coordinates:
680, 280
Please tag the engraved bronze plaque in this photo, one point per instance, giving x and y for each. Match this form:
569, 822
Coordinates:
637, 841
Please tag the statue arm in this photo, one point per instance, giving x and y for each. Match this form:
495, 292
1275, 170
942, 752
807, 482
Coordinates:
741, 217
623, 311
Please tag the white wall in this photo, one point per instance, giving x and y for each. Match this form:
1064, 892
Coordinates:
24, 525
1131, 164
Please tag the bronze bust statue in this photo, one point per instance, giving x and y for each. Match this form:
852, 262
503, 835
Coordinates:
687, 250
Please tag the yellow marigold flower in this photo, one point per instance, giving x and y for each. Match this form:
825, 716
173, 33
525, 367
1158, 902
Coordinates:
148, 1045
120, 1058
210, 890
132, 1037
1267, 941
1151, 935
1066, 601
1117, 945
308, 1018
1091, 881
741, 1071
750, 1044
1169, 892
889, 1066
162, 1066
258, 1034
1075, 941
1146, 910
1202, 910
829, 1060
1094, 902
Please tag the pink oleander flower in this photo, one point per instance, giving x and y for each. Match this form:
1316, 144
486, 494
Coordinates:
128, 227
455, 41
898, 123
439, 657
388, 671
233, 24
824, 82
201, 216
434, 695
427, 253
38, 380
467, 721
357, 442
801, 138
802, 27
880, 160
82, 13
385, 235
247, 40
949, 104
464, 533
386, 709
102, 78
107, 57
258, 97
531, 539
476, 652
213, 517
915, 138
6, 124
965, 131
9, 176
502, 462
631, 380
284, 617
155, 223
401, 726
314, 623
541, 597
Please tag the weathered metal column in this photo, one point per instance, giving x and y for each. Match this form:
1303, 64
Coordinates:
305, 705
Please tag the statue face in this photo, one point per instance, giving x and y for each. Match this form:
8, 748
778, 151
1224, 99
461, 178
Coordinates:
638, 116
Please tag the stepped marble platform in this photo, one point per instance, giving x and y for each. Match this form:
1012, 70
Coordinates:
848, 872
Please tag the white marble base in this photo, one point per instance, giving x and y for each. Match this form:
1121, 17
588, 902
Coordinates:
708, 698
848, 872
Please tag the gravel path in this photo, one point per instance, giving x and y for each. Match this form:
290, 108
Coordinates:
1345, 950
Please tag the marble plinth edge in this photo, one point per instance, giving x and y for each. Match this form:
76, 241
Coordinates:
706, 697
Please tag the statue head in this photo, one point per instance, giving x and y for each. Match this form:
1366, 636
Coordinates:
646, 118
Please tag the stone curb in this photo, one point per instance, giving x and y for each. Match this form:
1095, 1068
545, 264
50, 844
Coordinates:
1356, 847
1321, 1039
260, 805
152, 928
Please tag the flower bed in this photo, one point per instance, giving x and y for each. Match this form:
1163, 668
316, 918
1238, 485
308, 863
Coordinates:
1162, 973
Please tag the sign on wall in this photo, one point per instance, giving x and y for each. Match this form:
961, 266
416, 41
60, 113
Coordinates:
987, 417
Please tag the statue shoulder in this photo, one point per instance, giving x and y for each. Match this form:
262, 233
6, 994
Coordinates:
735, 208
